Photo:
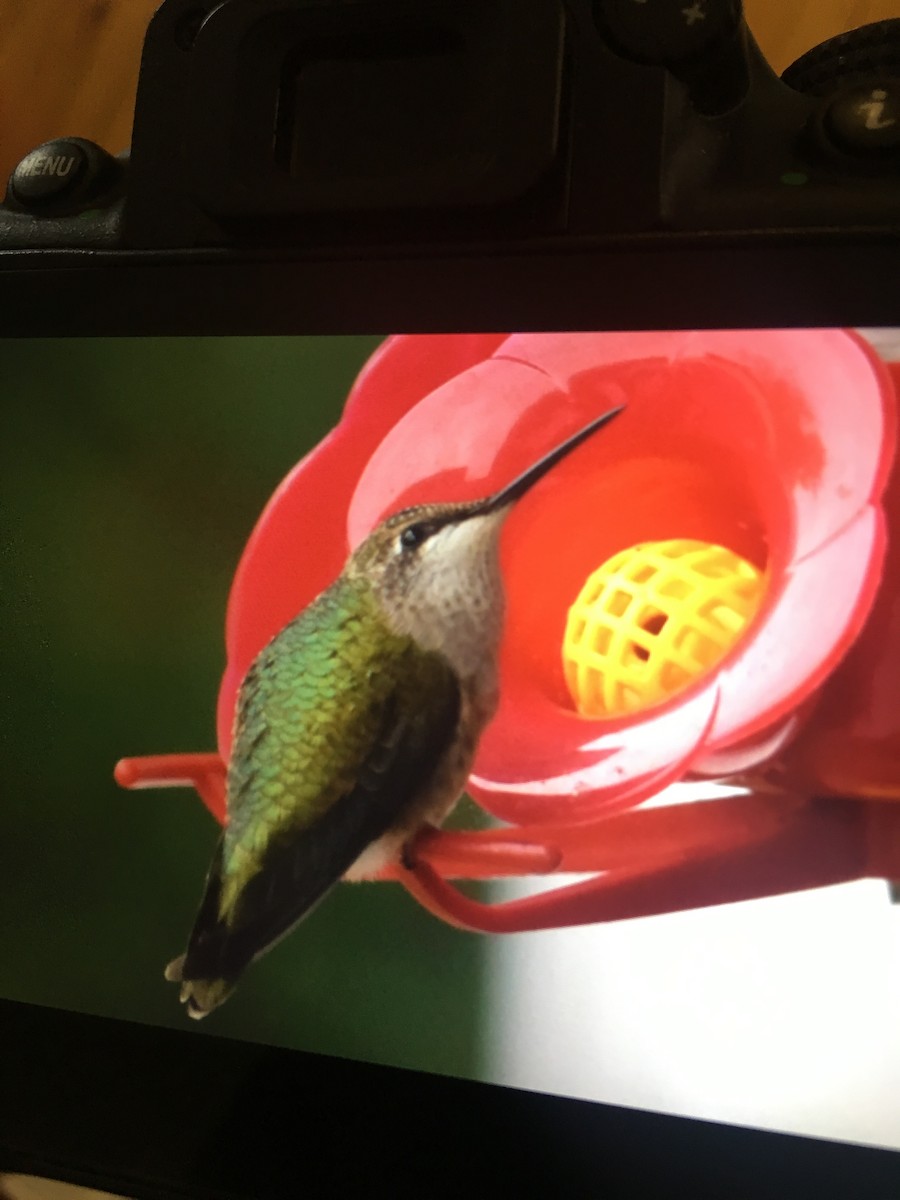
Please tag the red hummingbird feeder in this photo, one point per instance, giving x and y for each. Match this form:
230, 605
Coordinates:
707, 590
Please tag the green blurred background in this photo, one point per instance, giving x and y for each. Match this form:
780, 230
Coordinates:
132, 473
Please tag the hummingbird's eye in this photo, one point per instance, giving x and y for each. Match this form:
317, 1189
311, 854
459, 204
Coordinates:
414, 535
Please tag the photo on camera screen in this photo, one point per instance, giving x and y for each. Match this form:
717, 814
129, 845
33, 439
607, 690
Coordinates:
270, 605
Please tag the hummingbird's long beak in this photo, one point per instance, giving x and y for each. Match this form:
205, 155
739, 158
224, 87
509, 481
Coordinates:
524, 482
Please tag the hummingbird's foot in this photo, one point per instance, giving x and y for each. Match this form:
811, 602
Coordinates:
409, 854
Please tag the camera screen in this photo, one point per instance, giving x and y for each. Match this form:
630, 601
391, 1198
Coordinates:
679, 685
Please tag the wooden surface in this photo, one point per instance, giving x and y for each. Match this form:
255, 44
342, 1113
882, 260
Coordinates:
29, 1187
70, 66
785, 29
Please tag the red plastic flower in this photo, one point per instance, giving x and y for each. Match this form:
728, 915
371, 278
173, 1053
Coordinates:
775, 444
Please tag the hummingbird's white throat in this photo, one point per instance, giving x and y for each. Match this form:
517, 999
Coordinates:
453, 599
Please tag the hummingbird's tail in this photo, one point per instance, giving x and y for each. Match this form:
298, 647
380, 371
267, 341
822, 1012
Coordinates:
223, 943
200, 995
203, 968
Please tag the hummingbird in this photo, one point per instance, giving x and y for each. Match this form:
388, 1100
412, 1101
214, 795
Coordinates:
356, 727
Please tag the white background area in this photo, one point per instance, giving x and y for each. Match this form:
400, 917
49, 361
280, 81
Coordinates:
781, 1013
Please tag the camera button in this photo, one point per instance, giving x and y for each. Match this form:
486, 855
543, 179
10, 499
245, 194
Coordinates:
865, 118
666, 32
49, 174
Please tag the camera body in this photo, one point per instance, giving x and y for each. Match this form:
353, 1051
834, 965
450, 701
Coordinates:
488, 126
611, 164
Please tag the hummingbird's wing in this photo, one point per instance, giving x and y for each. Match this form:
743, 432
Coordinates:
325, 761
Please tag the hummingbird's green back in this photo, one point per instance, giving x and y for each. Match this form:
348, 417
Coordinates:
325, 706
341, 724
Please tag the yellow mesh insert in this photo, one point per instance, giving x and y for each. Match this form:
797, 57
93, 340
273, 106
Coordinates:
652, 620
